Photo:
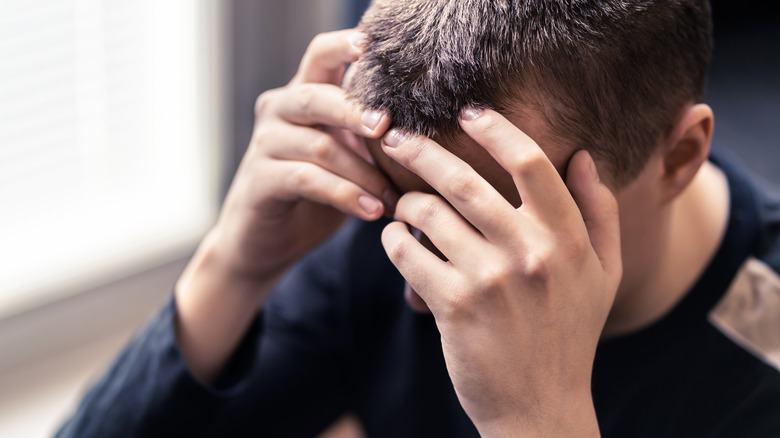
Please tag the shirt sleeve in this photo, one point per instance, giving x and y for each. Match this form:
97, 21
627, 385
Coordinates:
288, 377
147, 388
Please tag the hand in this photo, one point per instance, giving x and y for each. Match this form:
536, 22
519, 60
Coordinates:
306, 166
523, 296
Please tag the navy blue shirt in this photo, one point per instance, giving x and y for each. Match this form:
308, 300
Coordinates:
336, 336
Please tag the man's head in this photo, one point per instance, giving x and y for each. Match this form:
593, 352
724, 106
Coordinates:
619, 78
609, 76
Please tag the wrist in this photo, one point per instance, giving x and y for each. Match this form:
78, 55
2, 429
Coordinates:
215, 267
568, 418
214, 307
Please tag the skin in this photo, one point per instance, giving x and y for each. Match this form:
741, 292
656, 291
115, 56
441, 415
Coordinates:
303, 162
576, 261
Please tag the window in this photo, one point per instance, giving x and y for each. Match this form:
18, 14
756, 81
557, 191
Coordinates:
109, 132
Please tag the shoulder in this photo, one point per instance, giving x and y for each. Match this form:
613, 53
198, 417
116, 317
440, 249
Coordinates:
749, 311
768, 206
756, 201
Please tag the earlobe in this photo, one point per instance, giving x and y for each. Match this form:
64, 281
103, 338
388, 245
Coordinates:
686, 148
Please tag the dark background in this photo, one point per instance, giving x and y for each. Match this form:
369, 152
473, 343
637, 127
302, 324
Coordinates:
744, 87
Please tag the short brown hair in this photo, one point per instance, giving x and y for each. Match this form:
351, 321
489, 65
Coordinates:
609, 76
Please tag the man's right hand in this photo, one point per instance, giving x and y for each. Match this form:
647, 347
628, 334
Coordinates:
306, 168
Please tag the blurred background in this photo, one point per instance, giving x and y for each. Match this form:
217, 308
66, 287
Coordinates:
121, 124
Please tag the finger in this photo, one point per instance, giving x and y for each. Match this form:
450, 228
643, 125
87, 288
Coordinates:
307, 180
455, 180
324, 104
413, 298
327, 56
423, 270
298, 143
540, 186
455, 238
599, 211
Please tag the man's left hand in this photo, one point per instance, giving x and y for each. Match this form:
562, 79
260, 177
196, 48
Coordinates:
524, 292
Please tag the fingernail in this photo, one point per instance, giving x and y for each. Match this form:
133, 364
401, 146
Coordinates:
368, 204
593, 170
358, 39
371, 119
394, 138
471, 113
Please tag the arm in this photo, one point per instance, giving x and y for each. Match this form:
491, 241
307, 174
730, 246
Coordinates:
287, 376
293, 188
524, 293
304, 172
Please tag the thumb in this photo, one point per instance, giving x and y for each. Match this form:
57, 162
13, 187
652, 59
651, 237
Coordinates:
599, 210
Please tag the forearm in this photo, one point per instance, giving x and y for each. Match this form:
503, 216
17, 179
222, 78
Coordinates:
215, 307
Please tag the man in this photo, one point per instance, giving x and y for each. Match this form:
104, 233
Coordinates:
587, 270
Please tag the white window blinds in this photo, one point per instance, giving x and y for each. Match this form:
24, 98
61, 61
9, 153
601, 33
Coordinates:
108, 135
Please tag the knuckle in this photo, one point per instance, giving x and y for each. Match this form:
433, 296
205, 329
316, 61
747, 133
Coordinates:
300, 177
454, 303
312, 49
262, 102
463, 185
491, 277
529, 161
343, 193
460, 304
429, 210
396, 249
412, 153
260, 137
536, 268
305, 95
320, 148
317, 42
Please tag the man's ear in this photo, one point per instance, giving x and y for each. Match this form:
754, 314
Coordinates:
686, 148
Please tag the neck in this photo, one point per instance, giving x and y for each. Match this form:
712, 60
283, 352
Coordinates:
690, 236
